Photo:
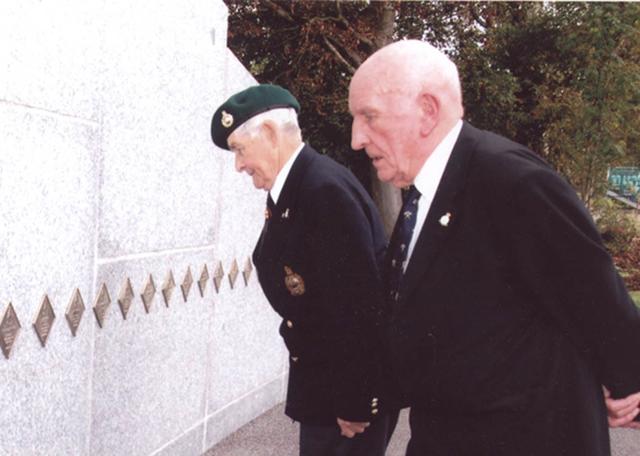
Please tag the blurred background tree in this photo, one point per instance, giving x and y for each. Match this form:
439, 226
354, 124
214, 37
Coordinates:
560, 78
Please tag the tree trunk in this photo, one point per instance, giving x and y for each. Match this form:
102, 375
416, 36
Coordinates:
386, 196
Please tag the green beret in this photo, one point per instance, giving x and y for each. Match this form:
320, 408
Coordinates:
244, 105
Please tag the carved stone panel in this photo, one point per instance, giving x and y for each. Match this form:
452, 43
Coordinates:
44, 320
9, 329
74, 312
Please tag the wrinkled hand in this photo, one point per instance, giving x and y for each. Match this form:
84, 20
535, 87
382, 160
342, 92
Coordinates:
621, 412
351, 428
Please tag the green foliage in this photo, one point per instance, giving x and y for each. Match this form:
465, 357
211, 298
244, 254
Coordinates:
561, 78
564, 79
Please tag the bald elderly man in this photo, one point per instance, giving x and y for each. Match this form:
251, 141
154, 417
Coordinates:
508, 314
317, 261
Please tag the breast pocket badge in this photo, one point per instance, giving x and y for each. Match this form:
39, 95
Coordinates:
293, 282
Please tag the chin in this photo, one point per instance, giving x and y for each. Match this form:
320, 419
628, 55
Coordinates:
385, 177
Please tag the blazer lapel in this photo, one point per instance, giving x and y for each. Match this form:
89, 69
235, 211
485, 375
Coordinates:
442, 213
273, 240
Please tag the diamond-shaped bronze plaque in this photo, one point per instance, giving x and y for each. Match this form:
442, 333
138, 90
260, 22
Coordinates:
9, 329
186, 284
125, 298
233, 273
218, 276
103, 300
74, 312
44, 320
246, 272
148, 292
204, 278
167, 287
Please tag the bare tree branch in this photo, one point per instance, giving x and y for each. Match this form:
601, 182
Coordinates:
476, 16
343, 20
339, 56
278, 10
386, 23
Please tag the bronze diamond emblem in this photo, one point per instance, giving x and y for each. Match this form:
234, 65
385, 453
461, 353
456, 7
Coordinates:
202, 282
218, 276
147, 293
44, 320
9, 329
186, 284
103, 300
233, 273
246, 273
125, 298
167, 287
74, 312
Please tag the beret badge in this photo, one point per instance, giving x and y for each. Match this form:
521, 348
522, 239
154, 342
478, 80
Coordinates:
226, 120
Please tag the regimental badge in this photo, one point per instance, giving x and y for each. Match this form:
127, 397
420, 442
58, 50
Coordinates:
293, 282
227, 119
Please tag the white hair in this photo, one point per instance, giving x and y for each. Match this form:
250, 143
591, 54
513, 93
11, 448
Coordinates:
286, 119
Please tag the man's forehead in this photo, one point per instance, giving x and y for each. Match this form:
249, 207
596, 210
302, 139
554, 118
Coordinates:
235, 140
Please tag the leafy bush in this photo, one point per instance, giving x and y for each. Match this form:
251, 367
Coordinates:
621, 235
617, 227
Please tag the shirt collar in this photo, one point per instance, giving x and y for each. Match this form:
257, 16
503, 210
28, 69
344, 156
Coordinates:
281, 178
428, 178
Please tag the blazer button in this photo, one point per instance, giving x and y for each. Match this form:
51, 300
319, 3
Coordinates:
374, 411
294, 359
289, 324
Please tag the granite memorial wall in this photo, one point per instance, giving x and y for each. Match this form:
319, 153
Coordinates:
131, 320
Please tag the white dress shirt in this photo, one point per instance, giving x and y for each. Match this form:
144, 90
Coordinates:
281, 178
428, 179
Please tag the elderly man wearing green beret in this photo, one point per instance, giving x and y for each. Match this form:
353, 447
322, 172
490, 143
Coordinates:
317, 260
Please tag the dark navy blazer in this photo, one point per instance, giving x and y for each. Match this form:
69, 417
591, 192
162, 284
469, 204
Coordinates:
511, 306
318, 260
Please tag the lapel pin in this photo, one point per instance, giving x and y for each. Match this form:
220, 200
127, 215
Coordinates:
445, 219
285, 214
267, 214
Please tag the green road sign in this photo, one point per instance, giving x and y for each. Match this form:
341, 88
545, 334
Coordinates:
625, 181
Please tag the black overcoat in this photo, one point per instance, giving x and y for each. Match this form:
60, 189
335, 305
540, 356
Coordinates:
511, 311
317, 261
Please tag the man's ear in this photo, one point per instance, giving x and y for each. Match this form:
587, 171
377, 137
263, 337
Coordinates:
270, 132
430, 110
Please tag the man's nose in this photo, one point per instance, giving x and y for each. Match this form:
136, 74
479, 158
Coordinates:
238, 163
358, 136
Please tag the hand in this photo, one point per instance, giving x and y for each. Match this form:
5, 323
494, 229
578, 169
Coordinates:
621, 412
350, 428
